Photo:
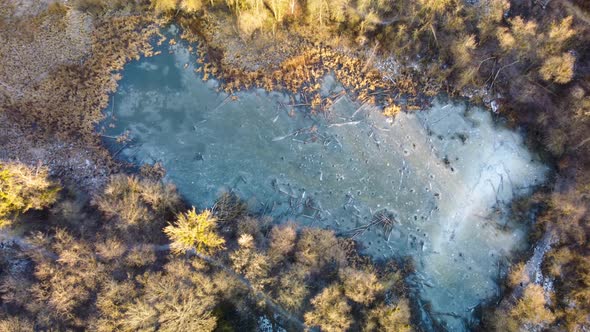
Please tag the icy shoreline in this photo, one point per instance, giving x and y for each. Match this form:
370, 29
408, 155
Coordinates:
445, 175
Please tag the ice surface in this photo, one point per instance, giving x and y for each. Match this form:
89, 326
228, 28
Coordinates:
444, 175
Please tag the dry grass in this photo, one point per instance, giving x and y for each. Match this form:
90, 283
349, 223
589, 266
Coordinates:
67, 96
33, 47
299, 67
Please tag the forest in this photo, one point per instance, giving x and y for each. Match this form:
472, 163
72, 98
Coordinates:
91, 243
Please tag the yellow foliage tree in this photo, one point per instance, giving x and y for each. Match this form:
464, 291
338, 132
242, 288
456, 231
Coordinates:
559, 69
15, 324
318, 247
161, 6
319, 11
194, 230
360, 286
385, 318
529, 313
518, 276
521, 38
338, 10
323, 11
191, 6
558, 35
66, 279
23, 188
178, 299
531, 308
330, 311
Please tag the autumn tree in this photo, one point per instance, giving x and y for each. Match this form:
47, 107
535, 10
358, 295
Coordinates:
360, 286
249, 21
188, 6
161, 6
15, 324
528, 313
23, 188
518, 276
229, 208
236, 6
524, 39
191, 6
133, 200
559, 69
521, 37
138, 208
292, 289
339, 10
252, 264
558, 36
282, 242
557, 259
69, 275
196, 231
490, 14
462, 50
319, 11
330, 311
368, 24
317, 247
531, 308
572, 271
324, 12
176, 299
253, 226
112, 303
389, 318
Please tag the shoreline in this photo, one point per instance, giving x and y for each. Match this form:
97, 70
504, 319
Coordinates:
187, 71
69, 143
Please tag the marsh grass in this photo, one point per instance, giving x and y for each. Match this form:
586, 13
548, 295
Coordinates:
69, 101
303, 74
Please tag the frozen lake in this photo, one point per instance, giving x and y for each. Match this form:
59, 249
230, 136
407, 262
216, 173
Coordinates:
443, 176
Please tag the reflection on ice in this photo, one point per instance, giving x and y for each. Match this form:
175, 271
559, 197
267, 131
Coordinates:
440, 180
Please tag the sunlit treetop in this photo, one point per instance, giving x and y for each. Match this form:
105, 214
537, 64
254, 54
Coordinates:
196, 231
163, 5
23, 188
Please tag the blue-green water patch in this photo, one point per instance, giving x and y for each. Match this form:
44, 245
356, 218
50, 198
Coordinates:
444, 177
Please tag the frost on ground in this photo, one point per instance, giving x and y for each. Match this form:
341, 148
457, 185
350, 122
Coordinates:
440, 180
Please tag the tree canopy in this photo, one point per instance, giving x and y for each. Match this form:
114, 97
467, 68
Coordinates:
23, 188
196, 231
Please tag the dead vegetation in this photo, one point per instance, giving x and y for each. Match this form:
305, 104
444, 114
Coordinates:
73, 268
69, 101
302, 75
57, 71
